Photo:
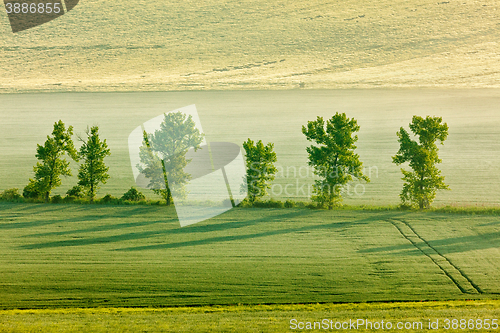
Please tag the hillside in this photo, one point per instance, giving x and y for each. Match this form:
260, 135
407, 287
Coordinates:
255, 44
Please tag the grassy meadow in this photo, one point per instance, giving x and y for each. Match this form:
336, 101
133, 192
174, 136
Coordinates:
60, 256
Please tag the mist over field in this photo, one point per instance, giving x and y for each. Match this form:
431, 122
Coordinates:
470, 154
255, 44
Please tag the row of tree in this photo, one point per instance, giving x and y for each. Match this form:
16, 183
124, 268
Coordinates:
163, 158
335, 162
52, 163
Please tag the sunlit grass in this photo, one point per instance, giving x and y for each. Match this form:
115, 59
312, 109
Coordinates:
238, 318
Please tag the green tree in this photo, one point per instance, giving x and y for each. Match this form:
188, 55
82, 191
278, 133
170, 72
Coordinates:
163, 154
93, 171
333, 157
52, 164
260, 169
421, 185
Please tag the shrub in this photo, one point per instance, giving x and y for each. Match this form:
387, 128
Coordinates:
289, 204
269, 204
133, 195
30, 191
109, 199
56, 199
405, 207
313, 206
11, 194
75, 192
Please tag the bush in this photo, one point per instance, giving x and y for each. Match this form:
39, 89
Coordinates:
269, 204
30, 191
109, 199
56, 199
314, 206
75, 192
289, 204
11, 194
405, 207
133, 195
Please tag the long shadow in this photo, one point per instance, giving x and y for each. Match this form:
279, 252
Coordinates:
86, 215
447, 245
221, 239
202, 228
235, 224
467, 243
190, 229
105, 227
212, 240
147, 234
491, 223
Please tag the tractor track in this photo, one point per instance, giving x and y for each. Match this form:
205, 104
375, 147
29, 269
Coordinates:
455, 274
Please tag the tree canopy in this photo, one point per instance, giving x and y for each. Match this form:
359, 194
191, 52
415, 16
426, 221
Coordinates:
163, 154
421, 184
260, 169
93, 171
333, 156
52, 164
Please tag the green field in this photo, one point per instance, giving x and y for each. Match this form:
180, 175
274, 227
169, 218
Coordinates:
106, 45
57, 256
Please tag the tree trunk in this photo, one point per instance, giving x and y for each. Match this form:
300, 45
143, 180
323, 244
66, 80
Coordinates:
169, 197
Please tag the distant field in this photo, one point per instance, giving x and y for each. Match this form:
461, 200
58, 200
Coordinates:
55, 256
141, 45
256, 318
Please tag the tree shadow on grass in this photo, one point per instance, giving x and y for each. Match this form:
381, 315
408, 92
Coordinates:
100, 228
84, 213
209, 227
221, 239
445, 246
190, 229
490, 223
467, 243
197, 228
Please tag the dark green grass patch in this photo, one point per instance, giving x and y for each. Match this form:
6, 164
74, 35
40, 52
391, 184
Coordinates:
127, 256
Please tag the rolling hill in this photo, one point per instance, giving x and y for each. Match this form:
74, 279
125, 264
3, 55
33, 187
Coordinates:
142, 45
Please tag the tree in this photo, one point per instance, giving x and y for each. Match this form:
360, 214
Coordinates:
48, 172
260, 169
421, 185
163, 154
93, 171
333, 158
